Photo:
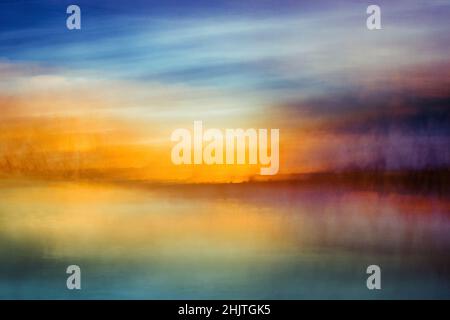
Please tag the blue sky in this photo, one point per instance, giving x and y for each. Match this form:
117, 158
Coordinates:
243, 44
290, 63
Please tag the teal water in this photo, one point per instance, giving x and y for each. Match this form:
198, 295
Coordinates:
251, 241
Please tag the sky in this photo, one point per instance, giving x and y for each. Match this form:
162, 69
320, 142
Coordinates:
103, 100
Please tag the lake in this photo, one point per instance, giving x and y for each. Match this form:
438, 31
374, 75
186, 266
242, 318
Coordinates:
232, 241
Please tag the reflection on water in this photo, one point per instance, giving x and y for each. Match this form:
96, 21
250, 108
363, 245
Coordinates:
224, 241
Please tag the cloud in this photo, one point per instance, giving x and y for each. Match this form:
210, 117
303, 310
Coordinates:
339, 94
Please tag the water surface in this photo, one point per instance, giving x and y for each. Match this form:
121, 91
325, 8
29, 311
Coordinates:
249, 241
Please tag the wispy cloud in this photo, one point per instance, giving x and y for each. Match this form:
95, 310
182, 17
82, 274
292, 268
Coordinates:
313, 70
